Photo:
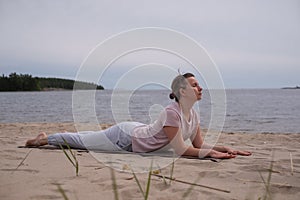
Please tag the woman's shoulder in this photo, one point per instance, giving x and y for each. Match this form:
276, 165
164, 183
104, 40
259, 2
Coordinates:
173, 109
173, 106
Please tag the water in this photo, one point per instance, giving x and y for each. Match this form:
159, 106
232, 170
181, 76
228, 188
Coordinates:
248, 110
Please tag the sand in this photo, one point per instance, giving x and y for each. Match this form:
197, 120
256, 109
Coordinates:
35, 173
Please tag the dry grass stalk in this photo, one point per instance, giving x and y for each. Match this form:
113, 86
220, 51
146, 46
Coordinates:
22, 161
199, 185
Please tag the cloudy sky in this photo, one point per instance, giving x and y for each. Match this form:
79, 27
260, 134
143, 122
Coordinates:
255, 43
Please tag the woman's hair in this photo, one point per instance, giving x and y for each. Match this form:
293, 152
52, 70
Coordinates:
178, 83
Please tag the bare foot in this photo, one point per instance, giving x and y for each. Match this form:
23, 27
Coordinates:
40, 140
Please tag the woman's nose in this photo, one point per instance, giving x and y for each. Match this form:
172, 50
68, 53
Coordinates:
199, 88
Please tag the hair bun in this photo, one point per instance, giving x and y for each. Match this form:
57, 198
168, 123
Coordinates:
172, 96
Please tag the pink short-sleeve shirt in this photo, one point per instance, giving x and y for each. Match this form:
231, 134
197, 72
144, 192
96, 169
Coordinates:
147, 138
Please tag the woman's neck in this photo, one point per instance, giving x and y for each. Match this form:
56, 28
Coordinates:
186, 108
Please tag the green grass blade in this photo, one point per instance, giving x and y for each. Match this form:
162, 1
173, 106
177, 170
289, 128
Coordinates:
138, 182
114, 184
75, 162
67, 155
69, 148
76, 165
63, 193
148, 182
268, 194
77, 168
164, 179
172, 171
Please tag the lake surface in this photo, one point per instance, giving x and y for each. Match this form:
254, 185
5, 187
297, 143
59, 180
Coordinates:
247, 110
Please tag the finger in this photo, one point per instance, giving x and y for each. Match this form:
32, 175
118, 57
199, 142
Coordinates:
233, 156
228, 156
244, 153
232, 152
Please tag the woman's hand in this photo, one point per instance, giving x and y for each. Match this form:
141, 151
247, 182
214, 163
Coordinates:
221, 155
237, 152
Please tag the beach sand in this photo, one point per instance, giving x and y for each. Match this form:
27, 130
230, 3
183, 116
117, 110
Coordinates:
35, 173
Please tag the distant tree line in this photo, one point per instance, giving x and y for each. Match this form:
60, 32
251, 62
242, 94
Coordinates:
25, 82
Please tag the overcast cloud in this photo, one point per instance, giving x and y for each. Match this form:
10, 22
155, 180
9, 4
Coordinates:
254, 43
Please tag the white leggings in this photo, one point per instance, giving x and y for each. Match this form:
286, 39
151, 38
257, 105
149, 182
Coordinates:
115, 138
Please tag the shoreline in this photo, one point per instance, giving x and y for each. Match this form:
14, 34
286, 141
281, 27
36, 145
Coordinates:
34, 173
106, 125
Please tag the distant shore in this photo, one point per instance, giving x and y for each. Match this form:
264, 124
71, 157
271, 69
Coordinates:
25, 82
296, 87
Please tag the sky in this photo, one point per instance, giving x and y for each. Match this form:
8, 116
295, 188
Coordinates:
254, 43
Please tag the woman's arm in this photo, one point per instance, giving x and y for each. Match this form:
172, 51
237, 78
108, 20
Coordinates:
197, 139
177, 142
198, 142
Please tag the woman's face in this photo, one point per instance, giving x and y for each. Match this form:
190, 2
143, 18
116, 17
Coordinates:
196, 90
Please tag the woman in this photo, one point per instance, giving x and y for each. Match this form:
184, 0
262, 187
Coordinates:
177, 123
